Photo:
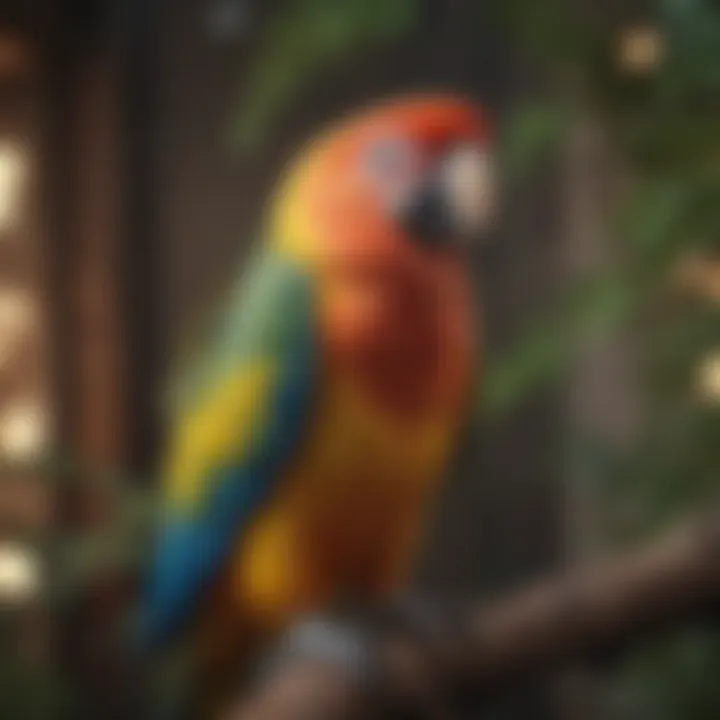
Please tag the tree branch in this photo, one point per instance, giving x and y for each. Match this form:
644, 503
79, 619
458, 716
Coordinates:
555, 623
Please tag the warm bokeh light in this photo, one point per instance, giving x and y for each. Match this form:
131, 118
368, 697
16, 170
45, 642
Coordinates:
700, 276
16, 311
16, 318
640, 50
709, 378
13, 173
22, 432
20, 575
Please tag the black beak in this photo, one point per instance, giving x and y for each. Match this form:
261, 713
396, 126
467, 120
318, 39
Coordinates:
426, 216
454, 201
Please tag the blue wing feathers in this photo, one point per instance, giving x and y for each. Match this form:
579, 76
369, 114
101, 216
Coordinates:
191, 551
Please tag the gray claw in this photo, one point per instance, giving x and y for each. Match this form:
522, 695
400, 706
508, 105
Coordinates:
342, 644
356, 648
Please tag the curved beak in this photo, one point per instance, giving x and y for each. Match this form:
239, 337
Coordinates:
456, 201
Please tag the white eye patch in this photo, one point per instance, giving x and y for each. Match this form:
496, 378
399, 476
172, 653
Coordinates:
469, 179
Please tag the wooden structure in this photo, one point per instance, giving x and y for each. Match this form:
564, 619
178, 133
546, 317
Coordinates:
588, 618
76, 90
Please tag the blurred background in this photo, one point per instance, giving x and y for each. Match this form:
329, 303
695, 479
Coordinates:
138, 140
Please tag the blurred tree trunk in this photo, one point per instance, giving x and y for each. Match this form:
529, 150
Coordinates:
603, 403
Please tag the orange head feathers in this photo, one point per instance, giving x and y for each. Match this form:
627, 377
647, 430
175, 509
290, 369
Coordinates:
413, 171
377, 207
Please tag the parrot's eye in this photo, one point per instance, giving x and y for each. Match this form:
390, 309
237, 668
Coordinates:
392, 161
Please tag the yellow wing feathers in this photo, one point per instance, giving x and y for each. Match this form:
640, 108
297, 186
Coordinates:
222, 428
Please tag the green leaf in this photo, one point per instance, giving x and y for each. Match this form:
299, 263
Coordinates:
303, 40
593, 309
532, 134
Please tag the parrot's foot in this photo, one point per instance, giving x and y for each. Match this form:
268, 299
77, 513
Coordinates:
380, 655
439, 632
341, 642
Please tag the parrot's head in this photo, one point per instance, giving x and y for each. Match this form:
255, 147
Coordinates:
409, 176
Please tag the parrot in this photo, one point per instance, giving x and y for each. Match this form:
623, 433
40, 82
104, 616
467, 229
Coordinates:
305, 457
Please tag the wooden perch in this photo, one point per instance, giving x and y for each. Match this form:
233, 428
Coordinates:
572, 618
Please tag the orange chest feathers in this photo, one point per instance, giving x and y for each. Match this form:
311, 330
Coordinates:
404, 336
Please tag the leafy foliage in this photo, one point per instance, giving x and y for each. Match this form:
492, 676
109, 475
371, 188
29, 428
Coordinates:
306, 37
